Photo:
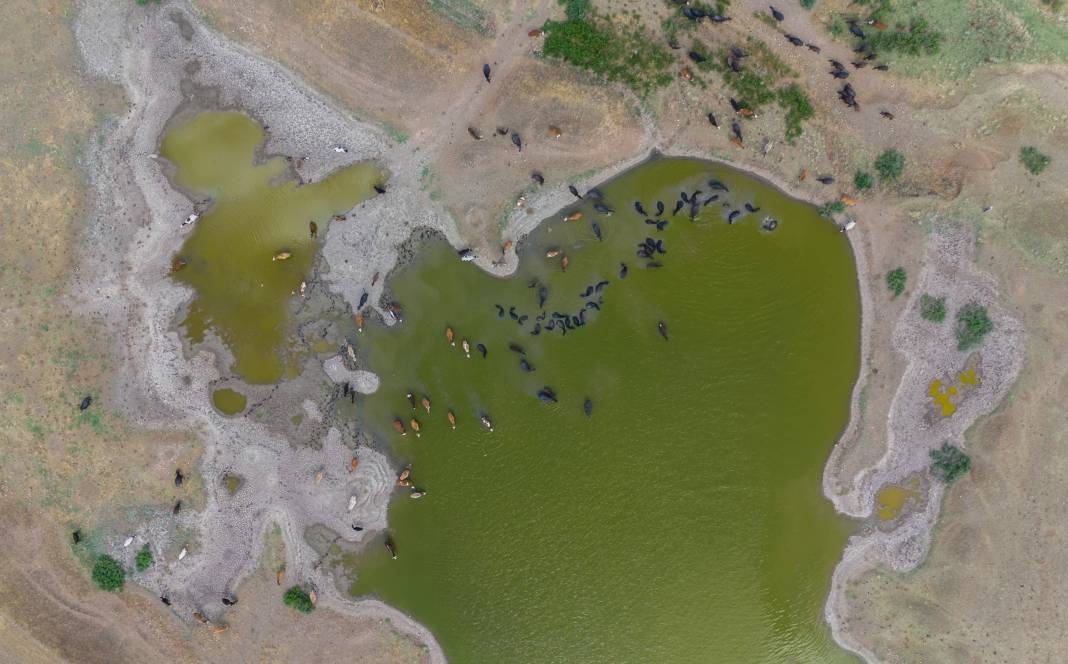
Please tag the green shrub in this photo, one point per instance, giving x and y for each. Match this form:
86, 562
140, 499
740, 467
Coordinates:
889, 165
950, 463
144, 558
932, 308
296, 598
972, 325
862, 180
108, 574
808, 4
832, 208
798, 109
576, 10
1033, 160
895, 280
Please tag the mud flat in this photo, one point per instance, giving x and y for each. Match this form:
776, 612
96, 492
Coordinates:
915, 425
170, 66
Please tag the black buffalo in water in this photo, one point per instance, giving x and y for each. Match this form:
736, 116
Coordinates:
482, 349
751, 208
587, 407
678, 206
547, 395
596, 230
516, 348
595, 194
543, 295
662, 329
603, 209
524, 365
500, 311
659, 208
623, 270
716, 185
512, 314
363, 300
733, 216
599, 286
639, 208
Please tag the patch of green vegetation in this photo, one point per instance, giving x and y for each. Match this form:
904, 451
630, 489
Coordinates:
889, 165
808, 4
932, 308
798, 109
915, 38
576, 10
35, 427
950, 463
862, 180
108, 574
145, 2
1055, 5
144, 558
608, 49
395, 134
895, 280
465, 14
296, 598
1033, 160
965, 36
973, 324
832, 208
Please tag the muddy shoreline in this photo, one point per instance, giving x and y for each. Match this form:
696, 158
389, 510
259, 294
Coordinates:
137, 215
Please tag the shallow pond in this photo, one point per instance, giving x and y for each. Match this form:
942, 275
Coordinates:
682, 520
247, 255
228, 401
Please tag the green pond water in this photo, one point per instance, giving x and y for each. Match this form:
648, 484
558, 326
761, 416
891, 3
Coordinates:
259, 211
228, 401
683, 521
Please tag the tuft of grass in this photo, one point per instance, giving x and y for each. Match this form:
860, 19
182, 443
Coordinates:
973, 324
862, 180
932, 308
808, 4
609, 50
950, 463
895, 280
296, 598
1033, 160
889, 165
108, 574
144, 558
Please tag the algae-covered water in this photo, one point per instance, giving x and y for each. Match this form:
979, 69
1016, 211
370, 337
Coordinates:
682, 520
247, 255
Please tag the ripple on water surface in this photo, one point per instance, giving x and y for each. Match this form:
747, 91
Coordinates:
683, 520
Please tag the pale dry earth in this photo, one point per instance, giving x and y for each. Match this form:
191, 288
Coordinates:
412, 79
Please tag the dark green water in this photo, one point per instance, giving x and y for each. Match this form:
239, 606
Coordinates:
683, 521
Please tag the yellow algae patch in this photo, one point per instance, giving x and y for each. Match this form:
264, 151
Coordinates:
941, 398
892, 499
943, 395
